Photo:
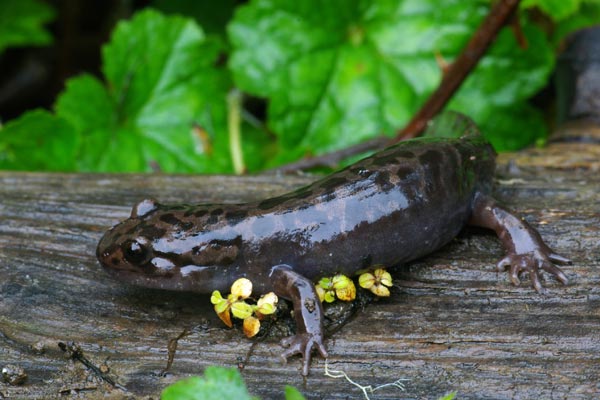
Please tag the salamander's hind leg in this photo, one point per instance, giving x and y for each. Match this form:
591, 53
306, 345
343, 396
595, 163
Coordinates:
526, 251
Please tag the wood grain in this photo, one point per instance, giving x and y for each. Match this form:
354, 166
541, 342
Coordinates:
452, 322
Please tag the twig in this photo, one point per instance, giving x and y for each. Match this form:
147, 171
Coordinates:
172, 349
331, 160
460, 68
453, 77
75, 352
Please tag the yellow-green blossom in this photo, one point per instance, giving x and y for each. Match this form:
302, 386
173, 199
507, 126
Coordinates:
377, 282
235, 304
339, 286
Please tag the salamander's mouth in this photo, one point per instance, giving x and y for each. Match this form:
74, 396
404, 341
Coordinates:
107, 254
136, 278
190, 278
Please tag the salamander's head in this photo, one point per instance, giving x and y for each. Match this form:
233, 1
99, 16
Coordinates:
140, 250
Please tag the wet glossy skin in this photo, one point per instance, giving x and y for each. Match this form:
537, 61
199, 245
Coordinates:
395, 206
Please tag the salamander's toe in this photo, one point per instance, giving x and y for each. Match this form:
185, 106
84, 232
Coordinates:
303, 344
533, 263
557, 272
558, 259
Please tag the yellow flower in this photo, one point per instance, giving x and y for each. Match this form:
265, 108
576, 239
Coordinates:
339, 286
266, 305
221, 307
344, 288
241, 309
377, 282
251, 326
383, 276
235, 304
242, 288
325, 290
320, 292
219, 302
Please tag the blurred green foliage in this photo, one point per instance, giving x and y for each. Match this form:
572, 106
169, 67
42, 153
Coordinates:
217, 384
22, 21
332, 73
160, 82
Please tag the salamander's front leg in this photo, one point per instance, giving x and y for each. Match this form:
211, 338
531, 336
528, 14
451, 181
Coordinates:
526, 250
308, 314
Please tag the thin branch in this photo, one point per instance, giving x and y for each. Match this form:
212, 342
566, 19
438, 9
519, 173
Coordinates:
331, 160
460, 68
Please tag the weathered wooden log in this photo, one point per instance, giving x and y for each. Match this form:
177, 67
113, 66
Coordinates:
452, 322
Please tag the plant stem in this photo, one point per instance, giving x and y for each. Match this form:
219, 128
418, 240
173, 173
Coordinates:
234, 101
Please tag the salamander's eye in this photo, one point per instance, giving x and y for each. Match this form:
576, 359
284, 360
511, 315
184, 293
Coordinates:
134, 251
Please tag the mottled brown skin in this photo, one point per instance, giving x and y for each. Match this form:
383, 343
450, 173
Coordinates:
393, 207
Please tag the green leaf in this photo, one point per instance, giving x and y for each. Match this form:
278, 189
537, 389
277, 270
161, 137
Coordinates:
511, 127
588, 15
88, 107
449, 396
164, 103
241, 310
501, 124
495, 94
509, 73
556, 9
211, 15
258, 147
38, 141
356, 70
291, 393
21, 23
217, 384
163, 82
328, 82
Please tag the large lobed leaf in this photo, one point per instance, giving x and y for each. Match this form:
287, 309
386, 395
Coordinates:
163, 105
161, 83
353, 70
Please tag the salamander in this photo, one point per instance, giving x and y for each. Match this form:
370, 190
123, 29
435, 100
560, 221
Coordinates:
395, 206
